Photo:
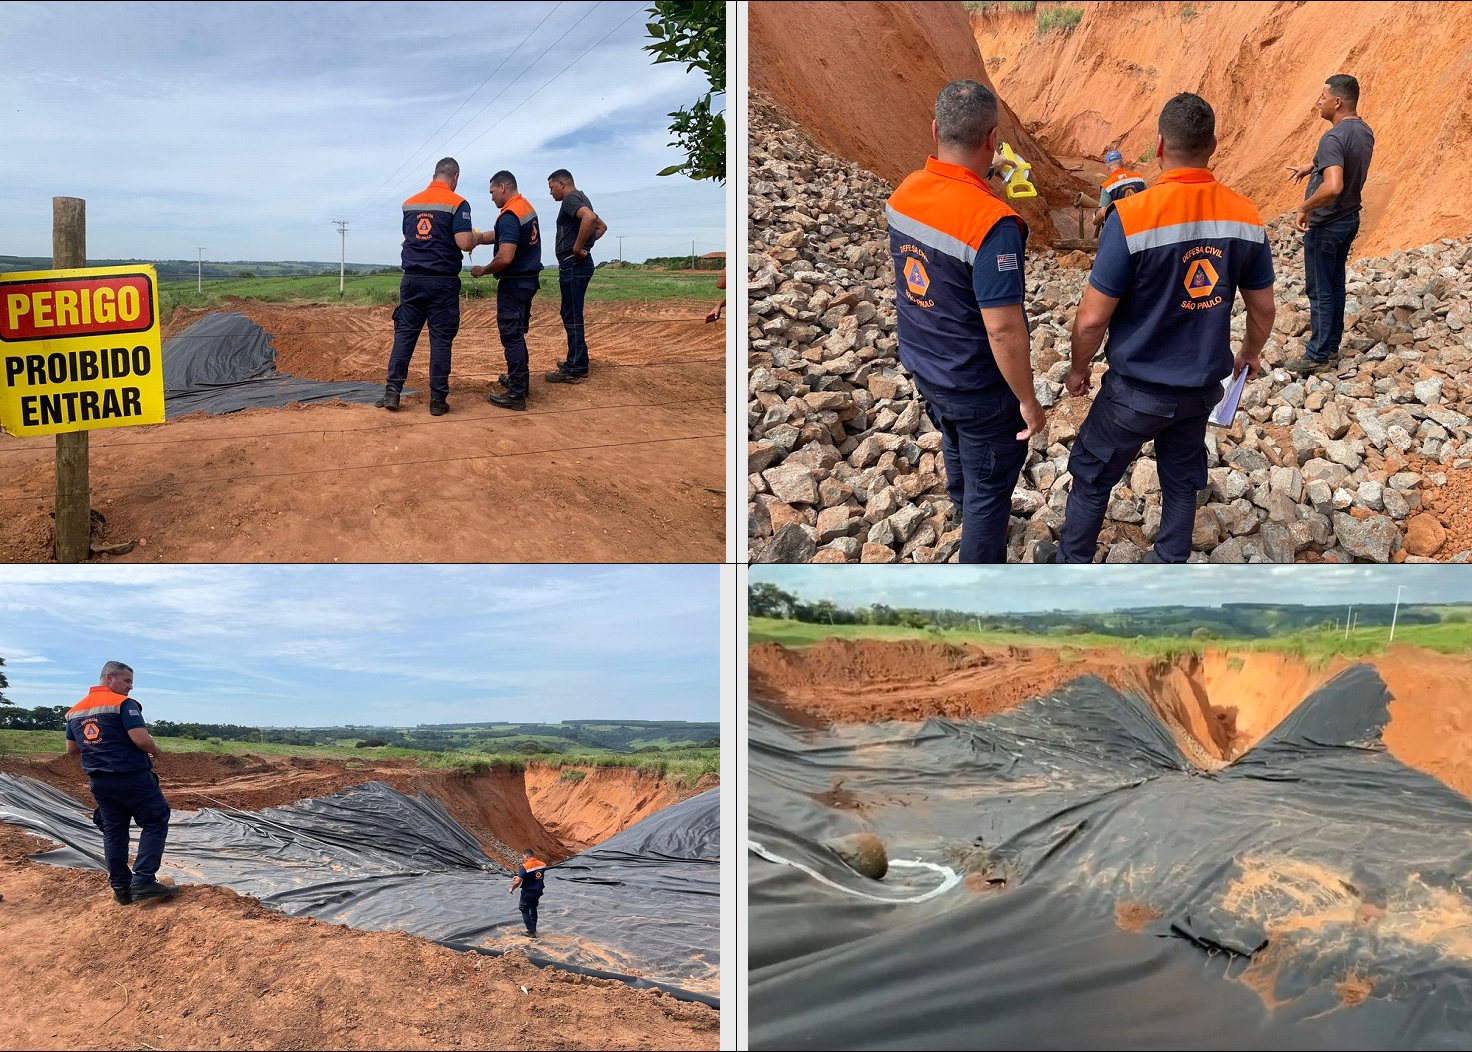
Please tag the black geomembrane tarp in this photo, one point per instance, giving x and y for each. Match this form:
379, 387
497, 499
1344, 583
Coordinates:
644, 903
225, 362
1105, 893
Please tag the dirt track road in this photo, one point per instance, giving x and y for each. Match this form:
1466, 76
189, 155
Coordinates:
627, 467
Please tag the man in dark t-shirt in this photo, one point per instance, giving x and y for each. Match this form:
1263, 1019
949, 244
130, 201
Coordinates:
1330, 215
578, 227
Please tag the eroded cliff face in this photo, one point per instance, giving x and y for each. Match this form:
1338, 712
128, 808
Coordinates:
861, 79
1261, 66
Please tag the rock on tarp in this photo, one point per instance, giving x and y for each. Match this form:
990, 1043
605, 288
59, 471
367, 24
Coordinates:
225, 362
1312, 894
645, 903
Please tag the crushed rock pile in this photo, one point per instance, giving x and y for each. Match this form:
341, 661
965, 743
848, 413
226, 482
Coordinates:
1365, 461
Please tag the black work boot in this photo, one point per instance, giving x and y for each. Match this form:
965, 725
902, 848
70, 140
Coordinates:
557, 376
506, 401
438, 408
390, 399
123, 896
152, 890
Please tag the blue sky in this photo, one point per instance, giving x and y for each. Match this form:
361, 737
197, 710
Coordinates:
389, 645
247, 127
1021, 589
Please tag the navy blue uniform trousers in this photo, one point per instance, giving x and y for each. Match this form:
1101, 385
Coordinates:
436, 300
513, 318
121, 800
1125, 415
983, 460
528, 909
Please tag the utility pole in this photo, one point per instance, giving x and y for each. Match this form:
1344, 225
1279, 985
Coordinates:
1396, 614
692, 255
199, 283
1347, 613
620, 249
342, 228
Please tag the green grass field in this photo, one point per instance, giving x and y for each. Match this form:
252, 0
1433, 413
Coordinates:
1312, 646
680, 766
609, 285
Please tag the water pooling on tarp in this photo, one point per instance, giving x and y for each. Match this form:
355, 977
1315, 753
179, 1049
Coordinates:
644, 903
1317, 874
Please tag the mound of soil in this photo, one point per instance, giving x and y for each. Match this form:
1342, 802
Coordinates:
626, 467
861, 79
1218, 705
585, 811
1261, 66
211, 969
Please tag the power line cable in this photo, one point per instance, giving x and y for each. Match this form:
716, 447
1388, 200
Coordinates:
373, 196
559, 73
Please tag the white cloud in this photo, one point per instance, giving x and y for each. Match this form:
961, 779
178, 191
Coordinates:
247, 127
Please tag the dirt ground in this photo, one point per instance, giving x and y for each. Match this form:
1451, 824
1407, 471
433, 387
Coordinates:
1261, 66
868, 93
625, 467
213, 969
841, 681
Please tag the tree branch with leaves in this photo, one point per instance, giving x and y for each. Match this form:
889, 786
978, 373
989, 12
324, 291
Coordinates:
694, 32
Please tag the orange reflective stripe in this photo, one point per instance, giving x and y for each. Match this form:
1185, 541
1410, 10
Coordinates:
98, 700
437, 193
1121, 176
1185, 196
949, 201
520, 207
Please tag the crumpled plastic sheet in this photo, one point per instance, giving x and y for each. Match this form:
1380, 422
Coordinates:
644, 906
1316, 893
226, 362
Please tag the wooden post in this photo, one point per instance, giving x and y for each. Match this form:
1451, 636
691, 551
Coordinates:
73, 489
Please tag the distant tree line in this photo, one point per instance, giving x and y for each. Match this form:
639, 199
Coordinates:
1228, 621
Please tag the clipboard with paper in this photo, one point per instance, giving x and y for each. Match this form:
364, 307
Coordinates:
1226, 409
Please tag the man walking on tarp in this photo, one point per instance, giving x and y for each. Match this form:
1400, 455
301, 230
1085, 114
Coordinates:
530, 877
107, 731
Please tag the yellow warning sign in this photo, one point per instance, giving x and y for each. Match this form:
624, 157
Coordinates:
80, 349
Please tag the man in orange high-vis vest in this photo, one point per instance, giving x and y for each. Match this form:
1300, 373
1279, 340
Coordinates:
436, 231
530, 878
518, 264
963, 336
107, 731
1171, 260
1118, 184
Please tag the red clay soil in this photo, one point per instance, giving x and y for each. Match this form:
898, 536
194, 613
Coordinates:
605, 801
211, 969
861, 79
841, 681
627, 467
1261, 66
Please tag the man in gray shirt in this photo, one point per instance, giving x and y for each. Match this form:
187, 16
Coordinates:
1330, 215
578, 227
